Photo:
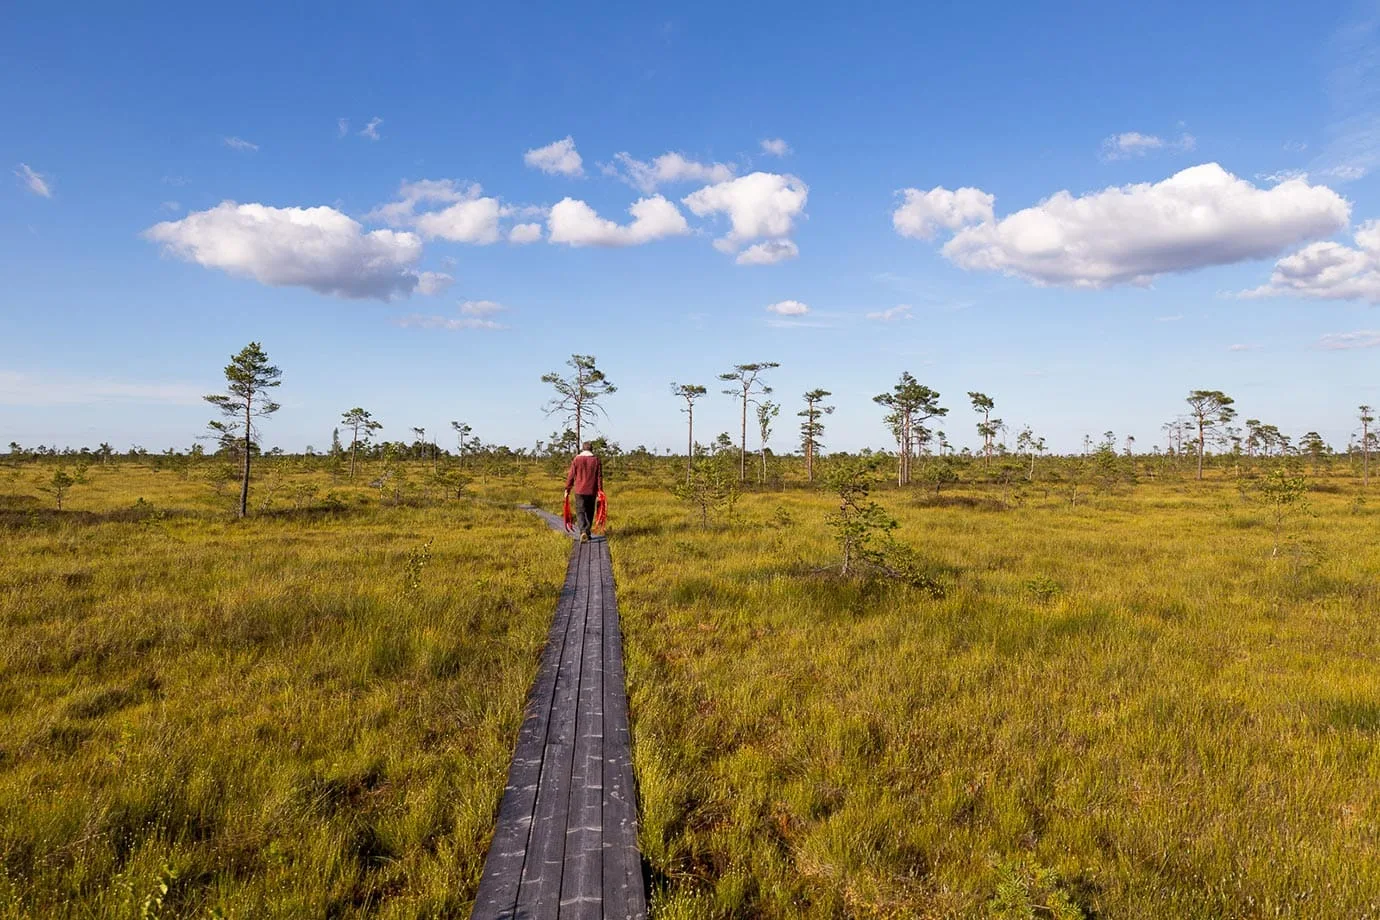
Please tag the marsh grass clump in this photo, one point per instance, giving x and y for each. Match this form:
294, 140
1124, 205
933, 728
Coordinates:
1042, 588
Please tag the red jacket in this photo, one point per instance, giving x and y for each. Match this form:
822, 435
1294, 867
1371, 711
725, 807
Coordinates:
586, 476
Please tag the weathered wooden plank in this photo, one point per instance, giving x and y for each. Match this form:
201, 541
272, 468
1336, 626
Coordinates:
581, 883
565, 847
624, 893
563, 709
539, 892
540, 889
498, 886
554, 521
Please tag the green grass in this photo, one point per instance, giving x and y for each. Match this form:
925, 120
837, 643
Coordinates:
1122, 709
259, 719
1127, 707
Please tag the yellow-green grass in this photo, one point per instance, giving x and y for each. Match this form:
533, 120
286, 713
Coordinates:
1128, 707
305, 714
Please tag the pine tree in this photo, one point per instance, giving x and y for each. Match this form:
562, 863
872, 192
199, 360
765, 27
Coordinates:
247, 377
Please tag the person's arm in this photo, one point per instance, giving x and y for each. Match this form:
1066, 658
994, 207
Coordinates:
570, 477
599, 474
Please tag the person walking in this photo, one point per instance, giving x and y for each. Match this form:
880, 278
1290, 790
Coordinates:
586, 477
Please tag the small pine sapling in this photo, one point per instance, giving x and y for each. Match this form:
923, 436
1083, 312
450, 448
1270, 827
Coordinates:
711, 488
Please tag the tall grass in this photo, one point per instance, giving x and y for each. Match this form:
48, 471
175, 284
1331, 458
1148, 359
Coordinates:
285, 717
1121, 707
1125, 708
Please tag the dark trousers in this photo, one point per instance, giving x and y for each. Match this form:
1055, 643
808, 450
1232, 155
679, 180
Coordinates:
584, 511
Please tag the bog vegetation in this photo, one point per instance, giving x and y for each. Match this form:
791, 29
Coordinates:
925, 682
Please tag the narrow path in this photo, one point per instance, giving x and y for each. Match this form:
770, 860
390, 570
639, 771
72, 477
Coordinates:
553, 520
565, 847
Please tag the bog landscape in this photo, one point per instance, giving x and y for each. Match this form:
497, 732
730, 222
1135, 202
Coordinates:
921, 682
739, 461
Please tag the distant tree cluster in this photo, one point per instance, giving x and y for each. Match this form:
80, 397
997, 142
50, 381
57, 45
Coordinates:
921, 452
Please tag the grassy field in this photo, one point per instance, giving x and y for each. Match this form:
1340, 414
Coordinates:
306, 714
1127, 707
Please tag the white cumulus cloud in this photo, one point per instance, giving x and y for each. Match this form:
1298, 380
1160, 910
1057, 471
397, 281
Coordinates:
1330, 271
667, 169
473, 220
433, 282
33, 181
574, 222
776, 147
923, 213
342, 127
469, 216
403, 212
239, 143
1361, 338
1198, 217
759, 205
900, 311
556, 158
317, 248
371, 130
788, 308
768, 252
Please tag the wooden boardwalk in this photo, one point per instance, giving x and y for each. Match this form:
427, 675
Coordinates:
565, 847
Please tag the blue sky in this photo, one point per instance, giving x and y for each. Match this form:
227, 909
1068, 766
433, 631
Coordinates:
1107, 207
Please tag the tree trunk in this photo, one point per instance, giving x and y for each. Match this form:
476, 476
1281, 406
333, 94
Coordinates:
901, 448
905, 450
1200, 451
244, 483
986, 439
354, 452
690, 446
742, 445
579, 422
